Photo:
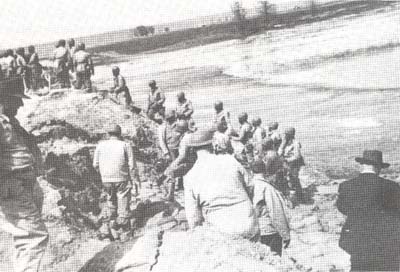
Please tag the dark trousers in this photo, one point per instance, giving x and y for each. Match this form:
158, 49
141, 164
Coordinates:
274, 241
294, 181
375, 263
63, 77
83, 80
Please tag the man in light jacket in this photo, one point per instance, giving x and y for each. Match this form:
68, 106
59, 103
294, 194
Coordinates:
217, 191
116, 163
270, 211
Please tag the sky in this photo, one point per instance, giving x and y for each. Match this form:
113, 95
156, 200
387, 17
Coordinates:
33, 21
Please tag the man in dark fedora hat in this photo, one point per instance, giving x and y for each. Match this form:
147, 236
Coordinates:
372, 205
20, 164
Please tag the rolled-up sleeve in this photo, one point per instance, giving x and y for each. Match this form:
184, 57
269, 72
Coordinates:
96, 158
131, 162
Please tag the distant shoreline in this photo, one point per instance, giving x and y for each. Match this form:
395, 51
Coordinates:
213, 33
188, 38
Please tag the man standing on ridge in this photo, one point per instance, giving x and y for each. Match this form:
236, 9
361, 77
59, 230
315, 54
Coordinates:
184, 108
20, 163
222, 115
290, 151
60, 58
120, 89
83, 67
156, 101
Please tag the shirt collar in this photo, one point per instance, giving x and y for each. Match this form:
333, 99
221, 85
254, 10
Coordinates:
366, 171
5, 117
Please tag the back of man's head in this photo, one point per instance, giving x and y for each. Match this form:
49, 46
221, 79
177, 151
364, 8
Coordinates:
115, 131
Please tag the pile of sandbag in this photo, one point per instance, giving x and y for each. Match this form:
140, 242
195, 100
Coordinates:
200, 250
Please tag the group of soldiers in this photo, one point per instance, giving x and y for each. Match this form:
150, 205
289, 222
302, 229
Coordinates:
252, 142
72, 64
75, 60
18, 63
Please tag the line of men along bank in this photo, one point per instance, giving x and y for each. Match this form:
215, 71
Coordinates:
274, 162
72, 61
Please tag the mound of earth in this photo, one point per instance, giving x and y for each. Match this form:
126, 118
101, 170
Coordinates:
202, 249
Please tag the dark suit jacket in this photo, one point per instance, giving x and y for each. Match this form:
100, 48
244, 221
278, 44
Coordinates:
372, 207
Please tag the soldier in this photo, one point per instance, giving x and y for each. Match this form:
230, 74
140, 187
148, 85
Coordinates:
120, 88
273, 134
20, 60
290, 151
245, 132
184, 108
221, 142
71, 53
35, 69
9, 65
155, 101
259, 133
20, 164
222, 115
21, 65
84, 68
60, 59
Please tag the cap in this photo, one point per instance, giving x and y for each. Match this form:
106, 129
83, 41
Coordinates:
170, 114
181, 95
290, 131
116, 130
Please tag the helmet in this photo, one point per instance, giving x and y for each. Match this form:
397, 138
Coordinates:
273, 125
243, 116
219, 105
290, 131
182, 126
31, 49
181, 95
71, 42
170, 114
115, 69
152, 83
60, 43
20, 51
81, 46
256, 122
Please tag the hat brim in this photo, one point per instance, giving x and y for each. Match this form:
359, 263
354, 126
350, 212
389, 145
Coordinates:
16, 95
370, 162
209, 142
22, 96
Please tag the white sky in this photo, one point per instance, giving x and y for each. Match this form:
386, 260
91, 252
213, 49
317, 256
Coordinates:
31, 21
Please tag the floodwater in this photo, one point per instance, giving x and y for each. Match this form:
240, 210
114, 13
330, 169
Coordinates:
335, 81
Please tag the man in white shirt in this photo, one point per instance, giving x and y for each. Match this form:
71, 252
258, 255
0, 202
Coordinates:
116, 163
